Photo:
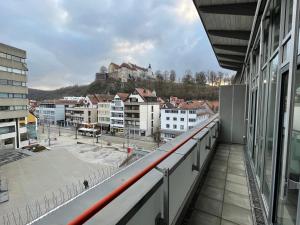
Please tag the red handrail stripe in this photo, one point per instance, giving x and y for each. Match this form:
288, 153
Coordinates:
94, 209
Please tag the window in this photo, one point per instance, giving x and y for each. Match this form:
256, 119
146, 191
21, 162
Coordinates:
192, 120
174, 118
275, 23
288, 16
3, 95
167, 111
5, 130
167, 125
3, 82
270, 128
181, 127
152, 108
182, 111
266, 24
192, 111
181, 119
168, 118
174, 126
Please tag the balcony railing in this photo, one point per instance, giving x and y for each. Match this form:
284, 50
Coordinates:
159, 185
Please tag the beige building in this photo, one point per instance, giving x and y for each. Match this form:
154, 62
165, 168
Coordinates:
13, 97
81, 115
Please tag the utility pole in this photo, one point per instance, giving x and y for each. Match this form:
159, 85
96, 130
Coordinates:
76, 129
58, 129
49, 133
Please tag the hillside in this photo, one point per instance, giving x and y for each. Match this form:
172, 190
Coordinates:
163, 89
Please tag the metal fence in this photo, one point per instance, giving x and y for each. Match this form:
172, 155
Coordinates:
37, 208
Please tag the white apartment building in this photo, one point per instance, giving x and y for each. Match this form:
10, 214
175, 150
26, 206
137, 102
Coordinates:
176, 120
51, 112
13, 97
117, 113
104, 115
142, 112
85, 111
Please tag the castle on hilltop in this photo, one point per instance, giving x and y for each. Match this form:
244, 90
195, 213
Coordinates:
125, 72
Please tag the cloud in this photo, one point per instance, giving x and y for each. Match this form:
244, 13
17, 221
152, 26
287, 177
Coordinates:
68, 41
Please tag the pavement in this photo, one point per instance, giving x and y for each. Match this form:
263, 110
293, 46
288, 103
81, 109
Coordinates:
38, 180
68, 136
32, 178
224, 199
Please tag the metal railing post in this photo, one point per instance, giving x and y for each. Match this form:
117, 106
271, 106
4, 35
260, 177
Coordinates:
164, 220
197, 166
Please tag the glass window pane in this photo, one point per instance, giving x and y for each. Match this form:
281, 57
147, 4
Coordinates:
261, 127
266, 24
299, 41
276, 23
286, 50
270, 128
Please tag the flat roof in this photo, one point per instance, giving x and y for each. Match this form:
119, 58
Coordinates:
228, 24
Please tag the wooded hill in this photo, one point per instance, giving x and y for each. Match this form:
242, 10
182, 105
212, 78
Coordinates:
186, 90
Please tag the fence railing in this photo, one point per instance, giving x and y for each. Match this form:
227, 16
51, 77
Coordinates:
154, 190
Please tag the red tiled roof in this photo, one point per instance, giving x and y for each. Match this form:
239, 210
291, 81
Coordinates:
145, 92
93, 99
104, 97
190, 105
123, 96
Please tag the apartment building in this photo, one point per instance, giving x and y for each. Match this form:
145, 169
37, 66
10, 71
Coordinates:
13, 97
104, 112
142, 112
176, 120
53, 111
117, 113
84, 111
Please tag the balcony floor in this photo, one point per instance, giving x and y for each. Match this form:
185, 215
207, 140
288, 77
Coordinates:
224, 197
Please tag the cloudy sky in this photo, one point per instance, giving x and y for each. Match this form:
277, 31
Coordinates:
68, 40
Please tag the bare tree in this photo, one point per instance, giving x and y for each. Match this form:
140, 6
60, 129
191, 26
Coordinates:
166, 75
212, 77
220, 78
172, 75
200, 78
158, 75
188, 77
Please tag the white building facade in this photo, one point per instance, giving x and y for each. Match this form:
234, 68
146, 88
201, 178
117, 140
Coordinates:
175, 121
142, 113
50, 113
104, 113
117, 113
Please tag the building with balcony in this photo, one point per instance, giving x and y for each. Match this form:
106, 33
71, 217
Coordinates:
13, 97
142, 112
241, 166
117, 113
54, 111
176, 120
104, 112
